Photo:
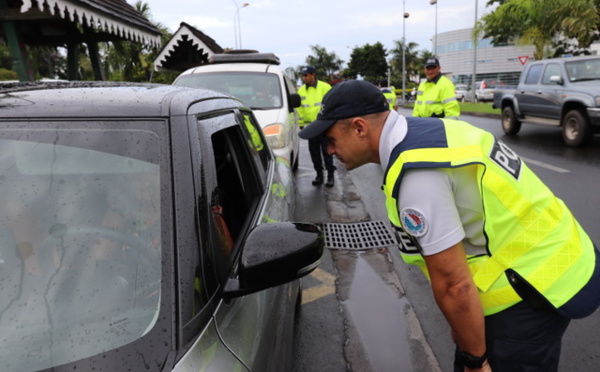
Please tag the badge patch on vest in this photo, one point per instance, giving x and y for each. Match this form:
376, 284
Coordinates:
413, 222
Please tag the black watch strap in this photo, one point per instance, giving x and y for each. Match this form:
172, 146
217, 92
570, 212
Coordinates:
469, 360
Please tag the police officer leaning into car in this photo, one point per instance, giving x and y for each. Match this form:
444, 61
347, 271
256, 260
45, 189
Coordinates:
508, 263
311, 94
436, 96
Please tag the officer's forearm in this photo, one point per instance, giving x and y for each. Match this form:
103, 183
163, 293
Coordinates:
457, 298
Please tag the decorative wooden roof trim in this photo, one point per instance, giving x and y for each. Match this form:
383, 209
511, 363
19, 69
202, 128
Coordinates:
84, 15
200, 41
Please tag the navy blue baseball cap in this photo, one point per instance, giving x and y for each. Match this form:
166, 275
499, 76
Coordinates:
432, 62
307, 70
345, 100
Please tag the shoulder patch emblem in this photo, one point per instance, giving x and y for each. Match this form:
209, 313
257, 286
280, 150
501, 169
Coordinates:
413, 222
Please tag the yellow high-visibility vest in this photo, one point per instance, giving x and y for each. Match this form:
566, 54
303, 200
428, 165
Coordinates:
528, 229
311, 98
436, 99
390, 96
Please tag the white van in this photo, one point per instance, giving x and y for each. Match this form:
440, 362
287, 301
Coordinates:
257, 80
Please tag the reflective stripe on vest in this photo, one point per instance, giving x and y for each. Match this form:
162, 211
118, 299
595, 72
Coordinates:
527, 228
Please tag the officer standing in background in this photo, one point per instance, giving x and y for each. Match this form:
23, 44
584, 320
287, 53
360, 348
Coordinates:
436, 96
509, 264
389, 93
312, 93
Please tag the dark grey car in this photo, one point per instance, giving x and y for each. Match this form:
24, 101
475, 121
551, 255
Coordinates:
144, 228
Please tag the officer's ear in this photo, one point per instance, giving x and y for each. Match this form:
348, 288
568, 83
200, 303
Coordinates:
359, 126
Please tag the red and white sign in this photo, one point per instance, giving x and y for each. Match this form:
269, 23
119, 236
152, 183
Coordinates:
523, 59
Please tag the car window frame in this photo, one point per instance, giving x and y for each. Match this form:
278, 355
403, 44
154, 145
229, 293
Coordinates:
551, 69
201, 127
533, 75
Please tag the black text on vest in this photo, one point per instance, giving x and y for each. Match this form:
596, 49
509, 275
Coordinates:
506, 158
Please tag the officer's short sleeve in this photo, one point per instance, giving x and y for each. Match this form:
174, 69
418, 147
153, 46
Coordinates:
427, 195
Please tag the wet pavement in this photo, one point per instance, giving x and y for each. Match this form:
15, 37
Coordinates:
373, 327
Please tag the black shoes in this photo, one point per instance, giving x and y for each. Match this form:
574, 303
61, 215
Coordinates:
318, 180
330, 182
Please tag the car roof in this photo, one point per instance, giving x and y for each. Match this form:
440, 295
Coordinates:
238, 67
98, 99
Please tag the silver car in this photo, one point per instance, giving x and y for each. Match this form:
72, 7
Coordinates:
463, 92
144, 227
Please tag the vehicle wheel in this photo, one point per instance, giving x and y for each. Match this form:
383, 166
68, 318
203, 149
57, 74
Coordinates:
576, 130
510, 124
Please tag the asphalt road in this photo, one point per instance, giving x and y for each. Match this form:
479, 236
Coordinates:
365, 310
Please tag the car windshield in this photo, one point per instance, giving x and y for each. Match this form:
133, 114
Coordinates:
258, 90
588, 69
80, 249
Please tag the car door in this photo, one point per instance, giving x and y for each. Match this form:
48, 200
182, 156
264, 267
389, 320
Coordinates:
549, 100
256, 327
233, 170
527, 92
292, 119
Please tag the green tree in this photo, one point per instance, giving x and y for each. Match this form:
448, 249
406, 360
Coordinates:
5, 58
539, 22
132, 61
368, 61
411, 59
324, 62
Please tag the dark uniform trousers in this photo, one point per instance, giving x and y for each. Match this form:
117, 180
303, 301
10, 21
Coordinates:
317, 148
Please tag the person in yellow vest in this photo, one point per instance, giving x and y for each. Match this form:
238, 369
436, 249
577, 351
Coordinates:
311, 94
389, 93
508, 263
436, 96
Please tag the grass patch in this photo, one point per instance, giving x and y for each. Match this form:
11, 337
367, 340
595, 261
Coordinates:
485, 108
467, 107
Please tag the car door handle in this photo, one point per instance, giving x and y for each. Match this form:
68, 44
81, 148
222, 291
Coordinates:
539, 92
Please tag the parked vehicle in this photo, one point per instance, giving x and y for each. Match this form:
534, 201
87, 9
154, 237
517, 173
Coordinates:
256, 79
484, 91
144, 227
560, 92
463, 93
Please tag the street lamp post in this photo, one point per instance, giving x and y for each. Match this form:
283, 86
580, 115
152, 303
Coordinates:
474, 57
237, 29
434, 2
404, 16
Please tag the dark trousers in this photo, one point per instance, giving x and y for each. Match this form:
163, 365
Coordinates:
521, 339
317, 148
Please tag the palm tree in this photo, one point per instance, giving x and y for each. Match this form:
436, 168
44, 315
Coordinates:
411, 61
325, 63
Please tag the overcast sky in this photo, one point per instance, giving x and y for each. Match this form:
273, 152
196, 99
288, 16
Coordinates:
289, 27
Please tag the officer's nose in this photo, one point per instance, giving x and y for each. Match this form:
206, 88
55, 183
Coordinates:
330, 149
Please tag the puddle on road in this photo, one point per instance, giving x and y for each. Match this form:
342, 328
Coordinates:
376, 313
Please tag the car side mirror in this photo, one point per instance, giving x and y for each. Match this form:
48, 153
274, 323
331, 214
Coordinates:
295, 101
275, 254
556, 79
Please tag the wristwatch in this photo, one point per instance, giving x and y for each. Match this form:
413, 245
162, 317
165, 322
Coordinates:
469, 360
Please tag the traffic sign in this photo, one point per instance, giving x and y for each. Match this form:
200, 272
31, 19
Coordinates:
523, 59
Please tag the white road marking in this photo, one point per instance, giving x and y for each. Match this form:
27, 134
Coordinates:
546, 165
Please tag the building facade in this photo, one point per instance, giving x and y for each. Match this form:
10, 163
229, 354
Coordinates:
499, 64
493, 63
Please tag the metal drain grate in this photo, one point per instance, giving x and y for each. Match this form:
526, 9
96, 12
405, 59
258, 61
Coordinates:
357, 236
